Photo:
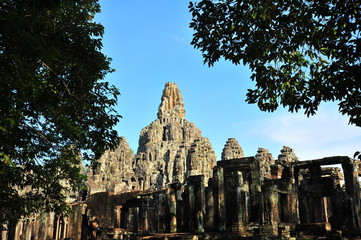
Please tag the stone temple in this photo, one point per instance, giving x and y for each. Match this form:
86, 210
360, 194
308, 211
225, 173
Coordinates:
170, 150
173, 188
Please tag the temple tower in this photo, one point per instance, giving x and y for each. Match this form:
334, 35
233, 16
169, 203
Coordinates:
171, 148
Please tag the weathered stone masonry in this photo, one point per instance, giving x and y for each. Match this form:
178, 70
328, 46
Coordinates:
183, 188
173, 184
170, 149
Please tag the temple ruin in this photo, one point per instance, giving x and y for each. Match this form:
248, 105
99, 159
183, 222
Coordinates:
173, 188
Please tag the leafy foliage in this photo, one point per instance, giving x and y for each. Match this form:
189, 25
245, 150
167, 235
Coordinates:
54, 103
301, 52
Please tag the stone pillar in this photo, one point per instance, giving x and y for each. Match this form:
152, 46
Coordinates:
28, 229
48, 231
160, 213
77, 222
191, 207
196, 201
132, 219
143, 217
200, 204
240, 204
172, 205
350, 169
180, 216
18, 229
270, 210
61, 228
66, 227
186, 210
209, 217
289, 207
178, 194
219, 200
118, 216
36, 227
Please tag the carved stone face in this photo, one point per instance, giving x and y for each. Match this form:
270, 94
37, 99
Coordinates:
172, 102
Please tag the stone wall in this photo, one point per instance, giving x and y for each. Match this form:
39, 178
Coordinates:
250, 196
114, 171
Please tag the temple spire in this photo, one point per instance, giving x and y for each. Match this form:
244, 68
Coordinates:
171, 103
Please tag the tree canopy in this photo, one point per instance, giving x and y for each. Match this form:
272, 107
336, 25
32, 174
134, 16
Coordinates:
301, 52
55, 107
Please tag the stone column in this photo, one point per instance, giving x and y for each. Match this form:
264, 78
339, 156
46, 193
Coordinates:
29, 229
143, 217
219, 201
36, 227
132, 219
270, 210
196, 202
77, 222
240, 204
191, 207
172, 204
61, 228
18, 229
350, 169
200, 203
160, 213
209, 217
178, 195
50, 226
186, 210
118, 216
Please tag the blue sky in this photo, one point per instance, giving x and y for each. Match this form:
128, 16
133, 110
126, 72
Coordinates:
149, 42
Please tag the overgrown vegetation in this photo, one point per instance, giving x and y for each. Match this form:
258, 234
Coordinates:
301, 52
55, 107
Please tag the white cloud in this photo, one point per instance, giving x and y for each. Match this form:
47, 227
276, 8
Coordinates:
326, 134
